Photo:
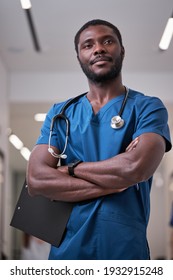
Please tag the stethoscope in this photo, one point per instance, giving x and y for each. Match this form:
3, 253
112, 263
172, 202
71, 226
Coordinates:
116, 123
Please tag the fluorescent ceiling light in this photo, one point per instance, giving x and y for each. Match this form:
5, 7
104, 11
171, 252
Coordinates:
167, 35
18, 144
26, 4
40, 117
15, 141
25, 152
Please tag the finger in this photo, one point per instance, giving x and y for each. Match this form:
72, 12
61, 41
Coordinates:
132, 145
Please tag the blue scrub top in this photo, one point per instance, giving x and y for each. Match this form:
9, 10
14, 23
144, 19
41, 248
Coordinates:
114, 226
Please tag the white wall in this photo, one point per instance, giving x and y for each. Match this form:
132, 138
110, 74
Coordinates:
5, 193
36, 86
59, 86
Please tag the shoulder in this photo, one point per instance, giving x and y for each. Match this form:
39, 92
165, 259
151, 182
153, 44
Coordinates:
58, 108
144, 101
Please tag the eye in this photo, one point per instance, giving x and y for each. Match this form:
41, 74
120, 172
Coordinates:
108, 42
87, 46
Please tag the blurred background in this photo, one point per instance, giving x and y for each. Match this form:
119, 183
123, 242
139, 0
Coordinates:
38, 67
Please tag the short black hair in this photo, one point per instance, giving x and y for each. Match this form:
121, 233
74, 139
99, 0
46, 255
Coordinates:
95, 22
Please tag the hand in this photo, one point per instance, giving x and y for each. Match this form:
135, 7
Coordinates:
63, 169
132, 145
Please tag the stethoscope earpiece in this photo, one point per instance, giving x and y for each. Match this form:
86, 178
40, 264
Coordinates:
52, 152
63, 156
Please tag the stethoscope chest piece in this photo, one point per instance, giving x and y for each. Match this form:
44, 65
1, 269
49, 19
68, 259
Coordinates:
117, 122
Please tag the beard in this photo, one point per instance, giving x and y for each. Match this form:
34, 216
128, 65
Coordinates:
112, 74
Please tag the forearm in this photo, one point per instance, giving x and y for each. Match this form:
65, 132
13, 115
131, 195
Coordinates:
108, 173
55, 185
94, 179
137, 164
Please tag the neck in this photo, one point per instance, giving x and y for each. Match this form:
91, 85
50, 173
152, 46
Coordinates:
100, 94
103, 92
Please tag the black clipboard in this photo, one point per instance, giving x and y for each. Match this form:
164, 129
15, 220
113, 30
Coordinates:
41, 217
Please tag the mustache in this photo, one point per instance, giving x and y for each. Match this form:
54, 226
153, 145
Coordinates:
101, 58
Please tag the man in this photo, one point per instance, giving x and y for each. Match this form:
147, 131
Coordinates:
111, 180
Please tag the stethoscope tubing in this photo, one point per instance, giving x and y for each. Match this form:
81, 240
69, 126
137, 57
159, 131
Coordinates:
124, 102
62, 115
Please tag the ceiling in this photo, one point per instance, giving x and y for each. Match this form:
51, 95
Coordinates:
141, 23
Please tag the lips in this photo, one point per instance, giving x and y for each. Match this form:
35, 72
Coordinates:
101, 58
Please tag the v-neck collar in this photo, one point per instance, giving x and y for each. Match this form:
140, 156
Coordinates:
98, 116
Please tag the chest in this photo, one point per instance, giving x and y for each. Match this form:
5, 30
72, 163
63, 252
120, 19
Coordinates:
91, 137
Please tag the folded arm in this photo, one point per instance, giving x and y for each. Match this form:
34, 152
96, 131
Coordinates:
126, 169
94, 179
44, 178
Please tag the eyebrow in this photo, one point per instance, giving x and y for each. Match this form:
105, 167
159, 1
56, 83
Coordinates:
101, 38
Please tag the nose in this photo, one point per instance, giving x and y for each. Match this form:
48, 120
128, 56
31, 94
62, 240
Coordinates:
99, 49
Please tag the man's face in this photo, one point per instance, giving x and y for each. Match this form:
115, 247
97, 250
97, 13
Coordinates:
100, 53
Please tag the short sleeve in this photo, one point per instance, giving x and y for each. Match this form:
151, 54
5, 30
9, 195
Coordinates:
153, 117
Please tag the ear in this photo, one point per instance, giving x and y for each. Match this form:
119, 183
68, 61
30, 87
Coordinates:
78, 58
123, 52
